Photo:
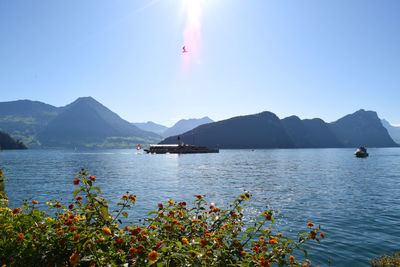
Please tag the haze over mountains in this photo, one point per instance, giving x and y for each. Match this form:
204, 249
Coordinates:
394, 131
180, 127
87, 123
266, 130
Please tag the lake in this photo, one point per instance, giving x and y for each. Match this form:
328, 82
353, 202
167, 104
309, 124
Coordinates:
356, 201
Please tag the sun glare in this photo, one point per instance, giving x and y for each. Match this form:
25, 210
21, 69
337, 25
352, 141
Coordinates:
192, 32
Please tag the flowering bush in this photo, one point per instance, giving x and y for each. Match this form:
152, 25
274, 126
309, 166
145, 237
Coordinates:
86, 233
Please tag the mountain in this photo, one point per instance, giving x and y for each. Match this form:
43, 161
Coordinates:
266, 130
7, 142
394, 131
151, 127
185, 125
313, 133
361, 128
263, 130
87, 123
23, 119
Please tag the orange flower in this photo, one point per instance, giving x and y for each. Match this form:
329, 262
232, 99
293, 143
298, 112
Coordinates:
291, 258
35, 202
171, 202
242, 252
100, 240
74, 259
133, 198
308, 261
304, 265
60, 231
124, 197
322, 235
310, 224
58, 205
76, 238
140, 248
92, 178
153, 256
79, 198
185, 241
106, 230
76, 181
20, 237
132, 251
153, 227
272, 241
15, 211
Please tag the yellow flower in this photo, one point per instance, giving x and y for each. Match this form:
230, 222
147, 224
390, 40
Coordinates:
106, 230
185, 241
153, 256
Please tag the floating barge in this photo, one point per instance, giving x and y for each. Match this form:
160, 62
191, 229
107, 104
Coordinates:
179, 149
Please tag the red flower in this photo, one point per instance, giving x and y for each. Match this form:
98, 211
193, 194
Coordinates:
118, 241
71, 206
20, 237
159, 244
133, 197
310, 224
15, 211
76, 238
35, 202
124, 197
68, 222
322, 235
140, 248
136, 231
92, 178
160, 205
58, 205
203, 242
198, 196
76, 181
79, 198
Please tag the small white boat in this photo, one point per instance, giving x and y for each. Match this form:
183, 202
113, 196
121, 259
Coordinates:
361, 152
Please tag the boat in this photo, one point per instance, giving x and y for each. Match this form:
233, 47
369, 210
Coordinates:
361, 152
179, 149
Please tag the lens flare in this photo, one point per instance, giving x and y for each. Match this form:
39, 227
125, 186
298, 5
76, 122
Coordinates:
192, 32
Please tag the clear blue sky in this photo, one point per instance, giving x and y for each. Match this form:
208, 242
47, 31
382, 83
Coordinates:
311, 58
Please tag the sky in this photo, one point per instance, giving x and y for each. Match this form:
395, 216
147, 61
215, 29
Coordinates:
309, 58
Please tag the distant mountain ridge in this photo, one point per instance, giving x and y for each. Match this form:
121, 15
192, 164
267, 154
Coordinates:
394, 131
266, 130
180, 127
83, 123
151, 127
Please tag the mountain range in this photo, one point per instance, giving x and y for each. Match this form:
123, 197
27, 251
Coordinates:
83, 123
266, 130
87, 123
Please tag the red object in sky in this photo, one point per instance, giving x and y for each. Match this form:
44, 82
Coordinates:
184, 49
138, 147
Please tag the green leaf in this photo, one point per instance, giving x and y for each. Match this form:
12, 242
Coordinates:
239, 208
125, 214
104, 212
76, 192
96, 188
179, 244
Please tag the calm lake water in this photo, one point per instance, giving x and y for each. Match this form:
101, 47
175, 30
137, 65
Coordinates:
356, 201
